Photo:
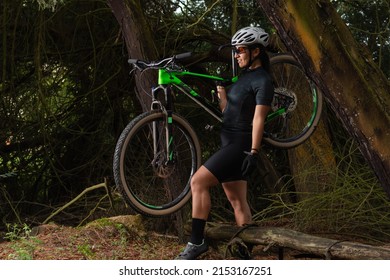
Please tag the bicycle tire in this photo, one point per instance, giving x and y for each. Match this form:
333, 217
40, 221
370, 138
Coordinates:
151, 187
302, 117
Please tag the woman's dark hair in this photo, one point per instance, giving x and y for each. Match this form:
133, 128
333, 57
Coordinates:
263, 56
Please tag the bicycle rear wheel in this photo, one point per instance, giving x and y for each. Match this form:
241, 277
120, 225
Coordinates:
151, 184
297, 104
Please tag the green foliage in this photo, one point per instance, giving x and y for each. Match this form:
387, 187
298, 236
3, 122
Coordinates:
16, 232
354, 203
87, 251
62, 81
369, 22
23, 243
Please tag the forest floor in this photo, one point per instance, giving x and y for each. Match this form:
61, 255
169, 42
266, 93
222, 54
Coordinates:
117, 238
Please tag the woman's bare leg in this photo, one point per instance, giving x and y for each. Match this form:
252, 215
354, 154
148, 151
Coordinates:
201, 183
236, 192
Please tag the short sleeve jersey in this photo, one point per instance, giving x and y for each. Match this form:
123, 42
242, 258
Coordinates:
253, 87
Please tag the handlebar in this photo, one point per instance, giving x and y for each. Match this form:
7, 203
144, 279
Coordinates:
140, 64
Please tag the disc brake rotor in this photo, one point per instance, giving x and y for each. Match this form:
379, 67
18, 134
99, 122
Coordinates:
161, 167
284, 98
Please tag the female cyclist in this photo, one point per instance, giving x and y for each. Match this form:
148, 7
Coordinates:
245, 106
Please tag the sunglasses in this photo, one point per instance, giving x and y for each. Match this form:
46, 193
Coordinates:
239, 50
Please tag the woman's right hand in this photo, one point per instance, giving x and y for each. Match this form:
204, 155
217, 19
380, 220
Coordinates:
221, 92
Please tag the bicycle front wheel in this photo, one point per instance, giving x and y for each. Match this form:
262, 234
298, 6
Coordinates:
296, 107
149, 182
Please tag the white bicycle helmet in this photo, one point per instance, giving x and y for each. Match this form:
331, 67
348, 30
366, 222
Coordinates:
250, 36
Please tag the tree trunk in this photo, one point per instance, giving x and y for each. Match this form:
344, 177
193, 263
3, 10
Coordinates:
354, 86
280, 237
139, 43
312, 162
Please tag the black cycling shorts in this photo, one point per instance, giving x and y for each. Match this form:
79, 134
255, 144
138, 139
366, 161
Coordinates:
226, 163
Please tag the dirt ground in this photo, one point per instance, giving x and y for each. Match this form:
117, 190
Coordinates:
107, 239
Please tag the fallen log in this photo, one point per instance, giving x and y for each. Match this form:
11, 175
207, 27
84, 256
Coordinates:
286, 238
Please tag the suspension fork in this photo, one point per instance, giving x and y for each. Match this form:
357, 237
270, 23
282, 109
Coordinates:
167, 110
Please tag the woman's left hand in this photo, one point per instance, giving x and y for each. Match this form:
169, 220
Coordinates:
249, 164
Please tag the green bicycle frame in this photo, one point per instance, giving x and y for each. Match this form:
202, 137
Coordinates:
166, 78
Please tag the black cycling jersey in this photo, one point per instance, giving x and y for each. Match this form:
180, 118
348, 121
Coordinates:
254, 87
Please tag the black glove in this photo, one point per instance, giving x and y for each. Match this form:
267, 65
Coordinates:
249, 164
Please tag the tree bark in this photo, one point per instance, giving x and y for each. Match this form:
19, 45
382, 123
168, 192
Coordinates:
280, 237
312, 163
139, 43
353, 85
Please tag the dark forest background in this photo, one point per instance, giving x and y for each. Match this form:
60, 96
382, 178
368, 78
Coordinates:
66, 94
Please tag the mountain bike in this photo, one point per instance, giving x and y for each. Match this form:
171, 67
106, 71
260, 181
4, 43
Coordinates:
159, 151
